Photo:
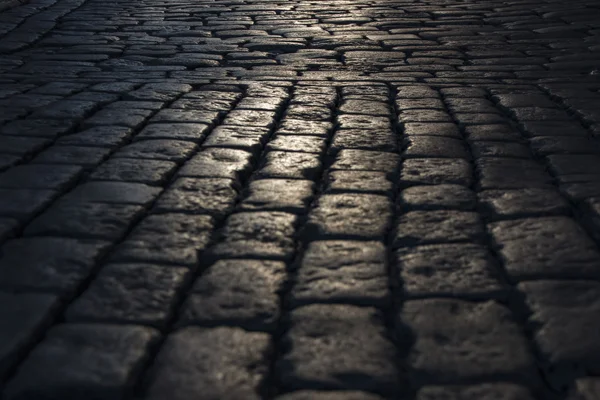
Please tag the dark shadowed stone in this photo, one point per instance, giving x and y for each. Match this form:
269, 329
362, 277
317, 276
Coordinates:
57, 177
22, 204
77, 361
52, 264
490, 391
449, 270
166, 238
151, 172
337, 347
434, 146
432, 197
73, 155
546, 247
328, 395
462, 342
84, 220
99, 136
444, 226
523, 202
114, 192
565, 315
24, 317
142, 294
509, 173
219, 363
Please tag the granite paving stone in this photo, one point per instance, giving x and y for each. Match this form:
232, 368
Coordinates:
342, 271
239, 293
450, 270
25, 317
80, 360
261, 234
217, 363
546, 247
56, 265
565, 314
166, 239
465, 342
332, 347
349, 216
143, 294
289, 195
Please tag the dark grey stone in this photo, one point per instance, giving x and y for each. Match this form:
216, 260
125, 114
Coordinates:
24, 317
337, 347
523, 202
335, 271
151, 172
84, 220
23, 204
84, 156
99, 136
56, 177
218, 363
213, 196
170, 150
77, 361
495, 391
456, 341
174, 131
435, 147
262, 234
565, 316
349, 216
289, 195
436, 171
166, 239
241, 293
359, 181
450, 270
443, 226
114, 192
143, 294
58, 265
438, 197
546, 247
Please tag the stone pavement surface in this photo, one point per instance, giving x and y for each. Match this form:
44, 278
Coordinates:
291, 200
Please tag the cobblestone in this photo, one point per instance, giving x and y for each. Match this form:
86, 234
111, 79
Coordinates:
340, 200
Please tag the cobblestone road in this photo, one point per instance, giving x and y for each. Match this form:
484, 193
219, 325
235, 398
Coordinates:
294, 200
